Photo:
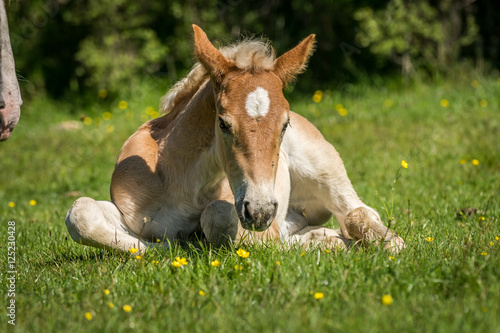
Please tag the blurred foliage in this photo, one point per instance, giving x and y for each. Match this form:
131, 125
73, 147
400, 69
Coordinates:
65, 46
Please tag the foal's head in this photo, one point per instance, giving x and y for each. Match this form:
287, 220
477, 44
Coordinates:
252, 117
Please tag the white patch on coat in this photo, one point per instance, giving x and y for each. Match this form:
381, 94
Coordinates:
257, 103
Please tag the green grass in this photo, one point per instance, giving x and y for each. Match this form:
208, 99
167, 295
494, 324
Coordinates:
443, 285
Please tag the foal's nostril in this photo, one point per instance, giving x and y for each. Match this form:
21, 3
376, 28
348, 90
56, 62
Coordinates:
247, 211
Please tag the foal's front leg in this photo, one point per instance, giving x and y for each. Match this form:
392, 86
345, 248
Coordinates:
316, 167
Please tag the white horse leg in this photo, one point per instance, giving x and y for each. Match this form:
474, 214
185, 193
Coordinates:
321, 181
99, 224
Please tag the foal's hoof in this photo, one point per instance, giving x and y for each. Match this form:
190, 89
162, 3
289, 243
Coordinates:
364, 225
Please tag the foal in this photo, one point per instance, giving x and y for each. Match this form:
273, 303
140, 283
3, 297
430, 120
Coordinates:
231, 161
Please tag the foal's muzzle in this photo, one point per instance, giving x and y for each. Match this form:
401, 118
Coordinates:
257, 216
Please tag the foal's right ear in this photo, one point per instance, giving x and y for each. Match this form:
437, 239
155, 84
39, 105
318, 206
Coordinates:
214, 62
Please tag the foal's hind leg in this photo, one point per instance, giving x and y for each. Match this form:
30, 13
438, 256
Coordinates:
99, 224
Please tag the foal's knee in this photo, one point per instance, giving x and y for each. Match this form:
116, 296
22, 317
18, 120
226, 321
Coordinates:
365, 225
78, 220
219, 222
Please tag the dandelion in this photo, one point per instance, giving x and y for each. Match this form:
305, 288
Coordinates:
12, 204
404, 164
202, 293
238, 267
132, 250
88, 315
302, 254
497, 238
111, 305
102, 93
87, 121
474, 83
278, 263
242, 253
387, 300
122, 105
318, 96
484, 253
127, 308
391, 258
138, 257
444, 103
215, 263
32, 202
106, 291
156, 262
483, 103
429, 239
179, 262
388, 103
463, 161
481, 218
318, 295
107, 115
475, 162
158, 240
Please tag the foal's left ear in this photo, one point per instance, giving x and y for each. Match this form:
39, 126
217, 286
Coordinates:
214, 62
294, 62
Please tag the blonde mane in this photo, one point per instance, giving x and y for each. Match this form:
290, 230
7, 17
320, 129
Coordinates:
253, 55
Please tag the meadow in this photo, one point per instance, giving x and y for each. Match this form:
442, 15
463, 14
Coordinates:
444, 204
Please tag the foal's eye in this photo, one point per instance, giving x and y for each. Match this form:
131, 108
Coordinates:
285, 127
223, 126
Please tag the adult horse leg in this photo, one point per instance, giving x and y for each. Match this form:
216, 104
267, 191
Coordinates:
99, 224
320, 174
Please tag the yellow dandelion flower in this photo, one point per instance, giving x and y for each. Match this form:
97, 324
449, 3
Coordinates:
391, 258
12, 204
388, 103
484, 253
111, 305
87, 121
122, 105
102, 93
404, 164
481, 218
475, 162
387, 300
158, 240
318, 295
32, 202
497, 238
429, 239
138, 257
179, 262
483, 103
238, 267
463, 161
202, 293
132, 250
127, 308
302, 254
342, 112
278, 263
88, 315
474, 83
107, 115
444, 103
106, 291
215, 263
318, 96
156, 262
242, 253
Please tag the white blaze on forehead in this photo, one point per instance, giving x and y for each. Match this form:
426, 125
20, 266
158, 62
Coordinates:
257, 103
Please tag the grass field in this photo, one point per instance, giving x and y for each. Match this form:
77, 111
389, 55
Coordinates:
446, 280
